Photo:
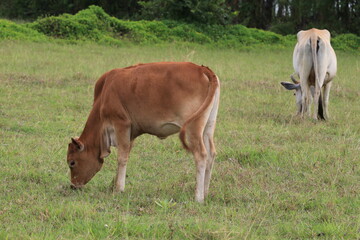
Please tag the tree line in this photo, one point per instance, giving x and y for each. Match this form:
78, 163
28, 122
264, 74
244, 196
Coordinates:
281, 16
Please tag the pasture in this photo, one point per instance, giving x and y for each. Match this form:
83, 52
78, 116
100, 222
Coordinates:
275, 176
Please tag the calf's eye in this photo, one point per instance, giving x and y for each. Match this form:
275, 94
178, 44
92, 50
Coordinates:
71, 163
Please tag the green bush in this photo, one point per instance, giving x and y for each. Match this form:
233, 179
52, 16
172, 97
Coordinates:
60, 27
92, 24
284, 28
95, 25
346, 42
11, 30
200, 11
187, 33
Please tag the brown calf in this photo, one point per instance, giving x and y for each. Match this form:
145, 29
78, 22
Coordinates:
156, 98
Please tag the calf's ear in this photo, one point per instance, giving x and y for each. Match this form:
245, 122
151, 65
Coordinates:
105, 143
290, 86
78, 144
105, 151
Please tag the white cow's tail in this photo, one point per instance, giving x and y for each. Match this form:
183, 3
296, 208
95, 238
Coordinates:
320, 108
314, 41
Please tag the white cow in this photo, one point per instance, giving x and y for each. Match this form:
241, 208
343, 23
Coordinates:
315, 64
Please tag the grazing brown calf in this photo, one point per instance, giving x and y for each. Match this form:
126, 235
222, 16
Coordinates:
156, 98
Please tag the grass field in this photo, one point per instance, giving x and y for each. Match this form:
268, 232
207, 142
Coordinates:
275, 176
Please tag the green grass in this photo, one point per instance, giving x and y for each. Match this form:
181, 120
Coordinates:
275, 177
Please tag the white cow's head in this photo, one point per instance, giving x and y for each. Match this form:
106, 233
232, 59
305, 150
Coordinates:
295, 85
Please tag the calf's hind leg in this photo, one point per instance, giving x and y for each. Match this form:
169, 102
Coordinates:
194, 135
211, 152
209, 142
200, 135
201, 156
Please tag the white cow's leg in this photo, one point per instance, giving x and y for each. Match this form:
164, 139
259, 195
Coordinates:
305, 89
316, 100
305, 67
327, 88
305, 100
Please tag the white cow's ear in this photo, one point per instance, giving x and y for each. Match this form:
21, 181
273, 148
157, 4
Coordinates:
290, 86
79, 145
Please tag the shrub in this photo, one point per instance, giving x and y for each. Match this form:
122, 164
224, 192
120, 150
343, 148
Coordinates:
187, 33
346, 42
11, 30
93, 24
200, 11
87, 24
284, 28
60, 27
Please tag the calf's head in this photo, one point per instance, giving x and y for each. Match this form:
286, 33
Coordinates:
83, 163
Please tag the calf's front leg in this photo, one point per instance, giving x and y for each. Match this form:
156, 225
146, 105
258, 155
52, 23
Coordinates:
123, 156
124, 145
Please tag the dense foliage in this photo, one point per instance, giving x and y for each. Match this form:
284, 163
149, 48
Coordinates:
93, 24
11, 30
280, 16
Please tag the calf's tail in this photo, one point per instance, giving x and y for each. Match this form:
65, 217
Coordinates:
213, 85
